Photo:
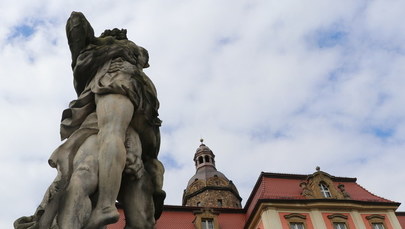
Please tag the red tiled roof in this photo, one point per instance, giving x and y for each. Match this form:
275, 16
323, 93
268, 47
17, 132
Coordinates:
276, 186
231, 220
181, 217
175, 220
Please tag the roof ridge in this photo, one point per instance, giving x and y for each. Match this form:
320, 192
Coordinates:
263, 191
374, 194
305, 176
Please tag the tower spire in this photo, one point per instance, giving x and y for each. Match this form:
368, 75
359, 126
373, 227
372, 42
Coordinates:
204, 156
209, 187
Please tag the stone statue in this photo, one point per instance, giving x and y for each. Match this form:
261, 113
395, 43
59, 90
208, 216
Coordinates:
305, 190
112, 138
342, 189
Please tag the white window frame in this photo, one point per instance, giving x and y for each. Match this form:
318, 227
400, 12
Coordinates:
207, 223
297, 225
325, 190
377, 225
339, 225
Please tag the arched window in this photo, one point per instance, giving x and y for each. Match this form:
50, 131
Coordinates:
324, 190
207, 158
200, 160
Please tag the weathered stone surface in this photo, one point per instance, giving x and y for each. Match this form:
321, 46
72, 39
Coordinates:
112, 138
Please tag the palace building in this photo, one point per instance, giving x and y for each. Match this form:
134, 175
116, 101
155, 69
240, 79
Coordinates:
277, 201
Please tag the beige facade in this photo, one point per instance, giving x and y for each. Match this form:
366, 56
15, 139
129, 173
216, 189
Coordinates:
274, 217
317, 201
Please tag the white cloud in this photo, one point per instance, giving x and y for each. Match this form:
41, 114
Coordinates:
272, 86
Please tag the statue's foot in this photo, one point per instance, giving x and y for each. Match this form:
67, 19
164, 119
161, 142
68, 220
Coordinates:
102, 216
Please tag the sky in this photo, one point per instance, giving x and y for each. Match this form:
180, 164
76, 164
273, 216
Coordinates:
273, 86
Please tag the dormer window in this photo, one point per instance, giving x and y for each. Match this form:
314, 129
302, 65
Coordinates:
324, 190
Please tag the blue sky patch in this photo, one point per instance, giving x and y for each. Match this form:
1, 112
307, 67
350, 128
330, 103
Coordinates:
329, 37
169, 162
383, 132
23, 30
225, 41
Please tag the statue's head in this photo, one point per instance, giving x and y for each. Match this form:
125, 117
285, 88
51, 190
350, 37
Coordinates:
76, 19
119, 34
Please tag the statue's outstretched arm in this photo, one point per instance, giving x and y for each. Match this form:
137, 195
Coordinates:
79, 34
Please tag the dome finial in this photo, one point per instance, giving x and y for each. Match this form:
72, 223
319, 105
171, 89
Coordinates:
201, 140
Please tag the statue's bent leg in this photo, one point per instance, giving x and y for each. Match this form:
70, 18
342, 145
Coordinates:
137, 202
155, 168
150, 147
76, 208
114, 113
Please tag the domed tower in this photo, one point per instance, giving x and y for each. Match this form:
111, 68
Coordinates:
209, 187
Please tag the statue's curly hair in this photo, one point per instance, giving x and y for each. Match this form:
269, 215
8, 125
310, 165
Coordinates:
119, 34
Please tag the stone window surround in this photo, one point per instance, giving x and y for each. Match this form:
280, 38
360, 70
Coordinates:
338, 218
205, 214
296, 218
376, 218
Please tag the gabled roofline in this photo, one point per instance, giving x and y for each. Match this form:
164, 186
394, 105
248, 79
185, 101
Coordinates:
293, 177
249, 200
304, 177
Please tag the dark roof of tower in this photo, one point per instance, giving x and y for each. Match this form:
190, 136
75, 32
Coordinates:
206, 172
203, 149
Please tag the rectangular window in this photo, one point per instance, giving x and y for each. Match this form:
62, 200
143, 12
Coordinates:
296, 226
207, 224
377, 226
339, 226
219, 203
